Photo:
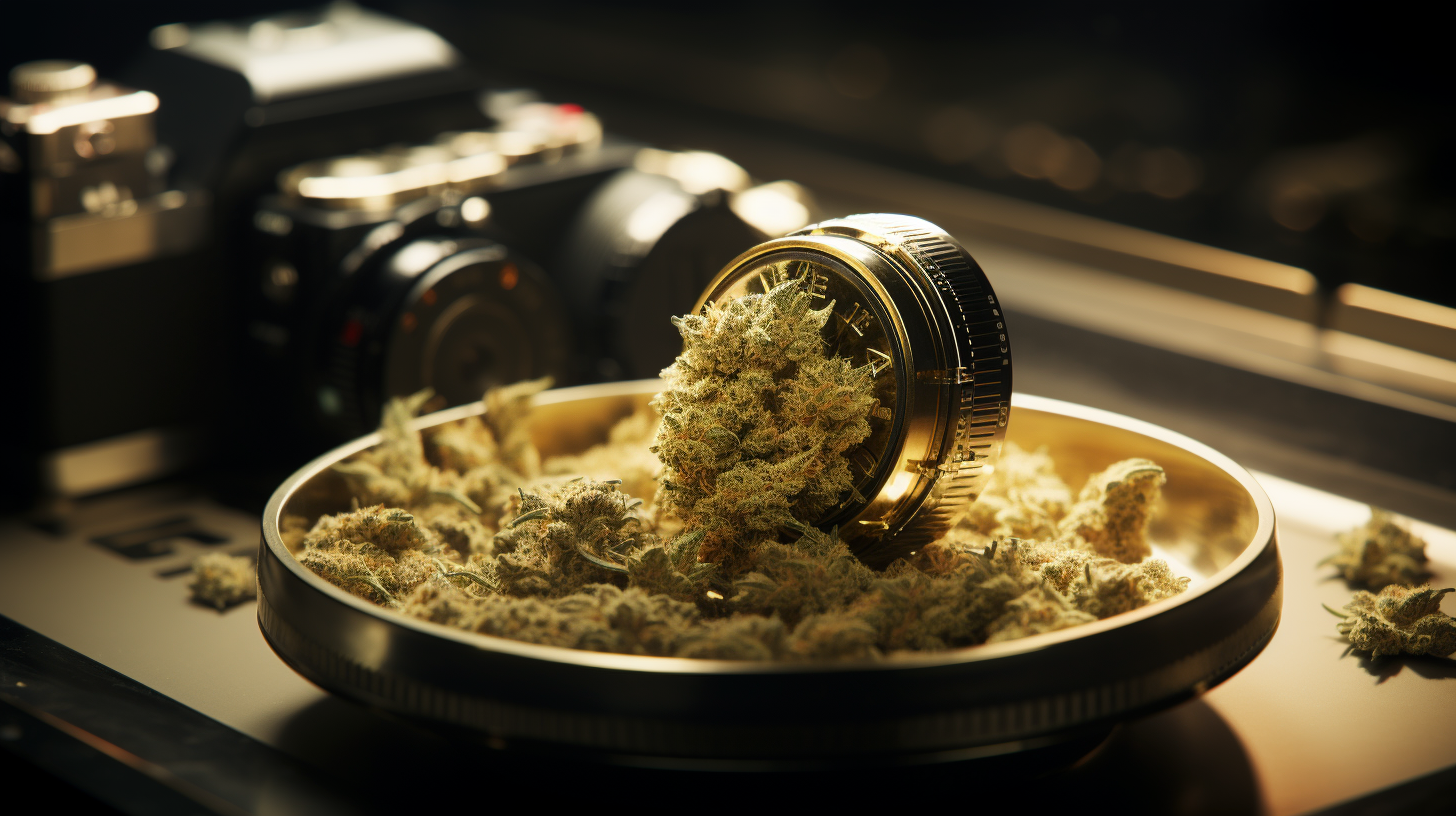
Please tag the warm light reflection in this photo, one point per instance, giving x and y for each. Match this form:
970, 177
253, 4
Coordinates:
1028, 149
1169, 173
358, 186
774, 209
471, 168
1379, 300
1076, 166
474, 209
1037, 151
697, 171
899, 486
1297, 205
115, 107
652, 218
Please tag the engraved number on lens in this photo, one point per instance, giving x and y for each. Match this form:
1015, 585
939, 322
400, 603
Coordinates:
857, 320
879, 362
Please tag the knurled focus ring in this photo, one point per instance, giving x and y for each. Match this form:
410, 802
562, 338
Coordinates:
978, 374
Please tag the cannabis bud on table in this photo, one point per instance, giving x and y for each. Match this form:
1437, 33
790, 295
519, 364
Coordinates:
1380, 553
220, 580
1399, 621
1402, 618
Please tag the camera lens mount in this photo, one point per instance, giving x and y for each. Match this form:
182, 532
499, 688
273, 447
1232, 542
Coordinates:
477, 319
437, 307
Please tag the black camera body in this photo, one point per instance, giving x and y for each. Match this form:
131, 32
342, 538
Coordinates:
277, 224
363, 297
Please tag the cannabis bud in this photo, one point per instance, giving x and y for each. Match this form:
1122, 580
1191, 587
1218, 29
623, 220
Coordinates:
756, 418
221, 580
1399, 621
1379, 553
567, 537
1112, 515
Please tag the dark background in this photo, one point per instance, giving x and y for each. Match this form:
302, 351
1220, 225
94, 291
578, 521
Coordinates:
1310, 134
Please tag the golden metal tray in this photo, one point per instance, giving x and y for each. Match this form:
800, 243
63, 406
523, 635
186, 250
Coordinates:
1217, 527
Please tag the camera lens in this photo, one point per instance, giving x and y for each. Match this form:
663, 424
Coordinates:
455, 314
641, 250
401, 284
477, 319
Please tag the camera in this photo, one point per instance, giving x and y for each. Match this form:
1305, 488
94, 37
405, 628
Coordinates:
267, 228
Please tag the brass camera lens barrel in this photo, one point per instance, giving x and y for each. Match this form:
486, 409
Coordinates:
912, 304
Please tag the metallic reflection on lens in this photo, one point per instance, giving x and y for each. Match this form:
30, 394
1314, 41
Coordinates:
474, 210
697, 171
776, 208
479, 318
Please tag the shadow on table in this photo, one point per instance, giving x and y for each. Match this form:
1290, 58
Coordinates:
1185, 760
1384, 668
1182, 761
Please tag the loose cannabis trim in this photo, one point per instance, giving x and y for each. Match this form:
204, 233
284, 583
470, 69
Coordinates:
1383, 554
464, 524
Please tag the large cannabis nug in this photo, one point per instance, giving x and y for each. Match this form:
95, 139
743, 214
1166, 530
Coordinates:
566, 537
756, 417
376, 553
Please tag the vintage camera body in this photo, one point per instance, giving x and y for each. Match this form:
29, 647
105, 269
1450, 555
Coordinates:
384, 272
276, 224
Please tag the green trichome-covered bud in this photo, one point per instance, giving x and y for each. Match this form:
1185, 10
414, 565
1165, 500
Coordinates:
388, 528
376, 553
466, 526
673, 569
627, 455
1025, 498
1038, 610
1379, 553
756, 418
1112, 514
1399, 621
220, 580
362, 569
568, 536
814, 577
